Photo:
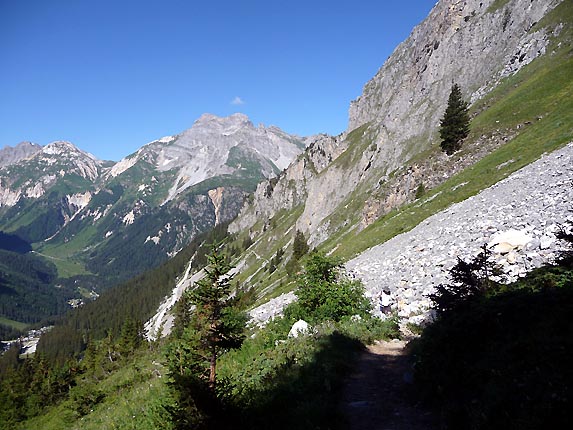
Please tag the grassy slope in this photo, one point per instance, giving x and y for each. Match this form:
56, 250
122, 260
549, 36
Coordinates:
14, 324
133, 397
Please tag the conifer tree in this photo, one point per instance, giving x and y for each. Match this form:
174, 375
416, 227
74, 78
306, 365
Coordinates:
455, 124
299, 246
215, 324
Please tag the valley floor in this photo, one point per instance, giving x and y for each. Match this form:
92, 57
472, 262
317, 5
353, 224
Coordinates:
379, 393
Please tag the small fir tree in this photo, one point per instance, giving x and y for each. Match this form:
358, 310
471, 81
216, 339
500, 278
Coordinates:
455, 124
215, 324
299, 246
471, 280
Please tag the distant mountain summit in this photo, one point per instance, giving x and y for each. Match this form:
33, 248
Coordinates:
231, 149
10, 155
115, 220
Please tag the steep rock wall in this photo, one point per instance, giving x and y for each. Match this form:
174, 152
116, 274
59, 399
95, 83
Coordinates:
474, 43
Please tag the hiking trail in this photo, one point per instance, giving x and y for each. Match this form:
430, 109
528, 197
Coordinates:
379, 394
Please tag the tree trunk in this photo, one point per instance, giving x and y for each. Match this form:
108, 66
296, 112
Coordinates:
213, 370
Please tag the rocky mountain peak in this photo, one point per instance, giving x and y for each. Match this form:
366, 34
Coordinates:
24, 150
223, 125
67, 149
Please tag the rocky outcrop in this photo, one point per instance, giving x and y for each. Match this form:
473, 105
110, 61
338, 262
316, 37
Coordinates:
216, 196
471, 42
289, 190
474, 43
517, 218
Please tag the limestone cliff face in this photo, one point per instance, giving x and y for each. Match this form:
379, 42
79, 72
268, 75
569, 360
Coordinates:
289, 189
471, 42
474, 43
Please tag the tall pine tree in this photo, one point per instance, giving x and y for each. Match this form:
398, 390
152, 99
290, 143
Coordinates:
455, 124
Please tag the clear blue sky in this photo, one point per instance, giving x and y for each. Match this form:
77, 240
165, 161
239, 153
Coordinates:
112, 75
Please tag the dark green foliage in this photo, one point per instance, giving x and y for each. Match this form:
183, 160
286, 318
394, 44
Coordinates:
299, 249
213, 325
27, 288
325, 294
28, 385
471, 280
420, 191
136, 300
299, 246
84, 397
504, 362
14, 243
294, 382
455, 124
276, 260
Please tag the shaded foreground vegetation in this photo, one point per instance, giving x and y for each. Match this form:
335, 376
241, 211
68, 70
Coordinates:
501, 357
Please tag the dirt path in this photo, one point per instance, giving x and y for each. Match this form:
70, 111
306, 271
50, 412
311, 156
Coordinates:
379, 393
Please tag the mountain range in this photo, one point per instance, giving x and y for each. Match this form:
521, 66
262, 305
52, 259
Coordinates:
101, 222
382, 199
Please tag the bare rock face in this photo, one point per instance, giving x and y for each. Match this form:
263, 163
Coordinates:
288, 190
22, 151
474, 43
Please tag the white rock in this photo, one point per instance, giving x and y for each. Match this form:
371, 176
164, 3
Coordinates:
301, 327
546, 242
515, 238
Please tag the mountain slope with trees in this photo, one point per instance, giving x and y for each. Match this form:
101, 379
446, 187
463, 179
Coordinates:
520, 109
101, 223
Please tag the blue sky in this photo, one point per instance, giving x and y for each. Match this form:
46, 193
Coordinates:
110, 76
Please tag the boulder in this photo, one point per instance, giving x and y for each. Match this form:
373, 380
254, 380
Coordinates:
510, 238
301, 327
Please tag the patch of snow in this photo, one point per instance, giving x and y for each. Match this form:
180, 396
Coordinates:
154, 239
165, 139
